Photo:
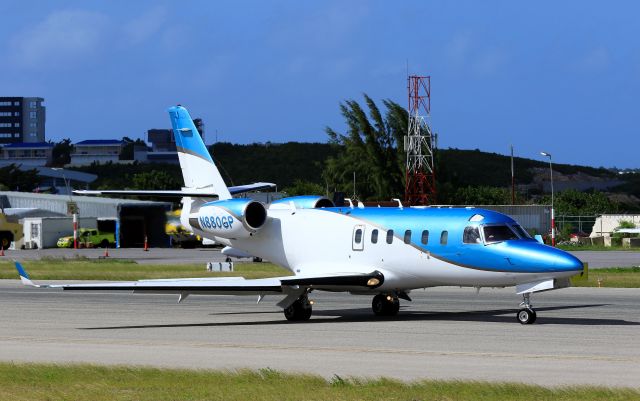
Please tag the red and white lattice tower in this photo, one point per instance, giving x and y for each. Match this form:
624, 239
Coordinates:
419, 144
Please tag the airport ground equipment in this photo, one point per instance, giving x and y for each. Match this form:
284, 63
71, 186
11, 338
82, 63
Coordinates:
10, 231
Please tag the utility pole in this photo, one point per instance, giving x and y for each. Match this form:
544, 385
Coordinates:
513, 180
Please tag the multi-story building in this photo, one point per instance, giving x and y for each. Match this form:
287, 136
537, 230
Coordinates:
96, 150
26, 154
22, 119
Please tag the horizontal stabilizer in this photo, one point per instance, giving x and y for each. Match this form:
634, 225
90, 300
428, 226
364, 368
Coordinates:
256, 186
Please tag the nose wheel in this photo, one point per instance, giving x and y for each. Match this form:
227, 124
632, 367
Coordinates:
526, 315
299, 310
385, 305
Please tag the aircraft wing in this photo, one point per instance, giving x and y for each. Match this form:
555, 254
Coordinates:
287, 285
176, 193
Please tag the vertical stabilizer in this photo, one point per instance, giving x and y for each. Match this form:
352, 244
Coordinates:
198, 169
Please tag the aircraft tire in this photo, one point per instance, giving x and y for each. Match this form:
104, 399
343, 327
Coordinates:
526, 316
298, 311
383, 306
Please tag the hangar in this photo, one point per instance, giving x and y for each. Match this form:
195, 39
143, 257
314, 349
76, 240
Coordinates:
131, 220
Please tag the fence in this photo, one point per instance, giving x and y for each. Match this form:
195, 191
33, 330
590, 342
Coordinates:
580, 223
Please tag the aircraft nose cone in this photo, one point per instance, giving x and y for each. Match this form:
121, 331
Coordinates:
568, 262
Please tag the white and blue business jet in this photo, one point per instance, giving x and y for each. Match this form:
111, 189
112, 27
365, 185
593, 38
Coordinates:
384, 252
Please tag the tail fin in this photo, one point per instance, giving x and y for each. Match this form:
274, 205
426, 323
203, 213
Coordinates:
198, 169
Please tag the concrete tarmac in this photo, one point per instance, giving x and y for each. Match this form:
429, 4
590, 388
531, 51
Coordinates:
582, 336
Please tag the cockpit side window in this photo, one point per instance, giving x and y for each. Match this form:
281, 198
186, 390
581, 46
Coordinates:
498, 233
471, 235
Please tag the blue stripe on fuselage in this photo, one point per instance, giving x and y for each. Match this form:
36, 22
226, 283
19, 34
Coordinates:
518, 256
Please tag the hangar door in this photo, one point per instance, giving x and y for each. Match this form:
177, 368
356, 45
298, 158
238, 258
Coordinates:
137, 221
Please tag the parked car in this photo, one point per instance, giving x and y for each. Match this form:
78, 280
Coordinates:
88, 238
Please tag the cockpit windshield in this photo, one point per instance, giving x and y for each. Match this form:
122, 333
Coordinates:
498, 233
522, 233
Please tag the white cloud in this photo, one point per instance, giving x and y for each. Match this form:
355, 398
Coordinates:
489, 61
597, 59
467, 52
63, 36
145, 26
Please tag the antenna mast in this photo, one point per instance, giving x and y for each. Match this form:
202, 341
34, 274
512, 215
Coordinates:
419, 144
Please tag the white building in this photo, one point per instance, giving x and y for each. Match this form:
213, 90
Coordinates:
96, 150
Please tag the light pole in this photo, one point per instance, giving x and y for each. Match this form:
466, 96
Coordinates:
74, 211
553, 216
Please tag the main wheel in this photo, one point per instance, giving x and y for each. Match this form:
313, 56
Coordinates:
299, 310
526, 316
385, 305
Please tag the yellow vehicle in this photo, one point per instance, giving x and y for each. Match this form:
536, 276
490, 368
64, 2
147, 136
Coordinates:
9, 231
180, 236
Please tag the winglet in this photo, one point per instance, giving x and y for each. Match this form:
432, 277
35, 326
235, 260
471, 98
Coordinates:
24, 277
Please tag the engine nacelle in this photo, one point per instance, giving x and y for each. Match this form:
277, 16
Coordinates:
302, 202
229, 218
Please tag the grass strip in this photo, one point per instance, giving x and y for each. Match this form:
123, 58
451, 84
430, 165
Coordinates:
91, 382
116, 270
611, 277
584, 247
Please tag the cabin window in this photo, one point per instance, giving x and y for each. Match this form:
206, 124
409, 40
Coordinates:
425, 237
374, 236
471, 235
358, 237
498, 233
389, 236
407, 237
444, 236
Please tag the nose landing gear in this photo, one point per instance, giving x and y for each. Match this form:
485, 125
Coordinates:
385, 305
526, 315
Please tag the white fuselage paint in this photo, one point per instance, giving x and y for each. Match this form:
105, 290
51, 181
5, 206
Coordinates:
313, 241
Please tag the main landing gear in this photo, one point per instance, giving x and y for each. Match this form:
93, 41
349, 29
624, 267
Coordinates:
385, 305
299, 310
526, 315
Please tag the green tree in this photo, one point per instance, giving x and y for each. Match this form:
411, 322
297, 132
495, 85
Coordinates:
14, 179
370, 149
301, 187
575, 203
480, 196
155, 179
61, 153
129, 147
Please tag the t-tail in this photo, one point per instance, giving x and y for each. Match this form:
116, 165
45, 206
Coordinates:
198, 169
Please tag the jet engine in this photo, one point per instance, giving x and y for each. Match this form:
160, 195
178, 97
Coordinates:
229, 218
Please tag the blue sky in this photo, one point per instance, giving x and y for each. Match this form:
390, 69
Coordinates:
557, 76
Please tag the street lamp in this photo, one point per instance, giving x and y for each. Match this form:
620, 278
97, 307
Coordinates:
75, 212
553, 216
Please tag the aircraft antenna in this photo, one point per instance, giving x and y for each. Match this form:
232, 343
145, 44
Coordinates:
419, 144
